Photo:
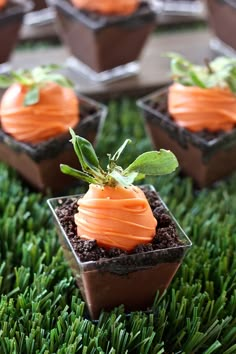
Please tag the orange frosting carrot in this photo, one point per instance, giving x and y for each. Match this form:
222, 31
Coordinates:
56, 111
115, 217
108, 7
2, 3
196, 108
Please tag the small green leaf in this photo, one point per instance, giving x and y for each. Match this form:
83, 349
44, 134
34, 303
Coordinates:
23, 77
196, 81
51, 67
177, 67
140, 176
44, 74
36, 77
154, 163
117, 154
125, 181
44, 70
59, 79
77, 174
218, 73
39, 75
149, 163
86, 153
32, 96
232, 85
223, 63
6, 81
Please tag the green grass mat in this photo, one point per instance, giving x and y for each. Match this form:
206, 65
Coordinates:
41, 310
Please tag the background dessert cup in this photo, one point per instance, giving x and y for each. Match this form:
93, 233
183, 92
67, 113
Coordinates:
129, 279
222, 19
39, 4
11, 18
179, 7
38, 18
39, 163
40, 15
205, 157
105, 47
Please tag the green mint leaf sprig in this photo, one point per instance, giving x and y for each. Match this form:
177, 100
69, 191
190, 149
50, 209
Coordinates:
221, 72
152, 163
35, 79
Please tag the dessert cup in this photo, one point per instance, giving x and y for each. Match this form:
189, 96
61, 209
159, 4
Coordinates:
40, 15
90, 36
39, 163
179, 7
39, 4
129, 279
10, 23
205, 157
222, 19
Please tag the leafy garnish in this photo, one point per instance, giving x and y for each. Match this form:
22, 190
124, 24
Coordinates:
85, 153
221, 72
35, 79
152, 163
32, 96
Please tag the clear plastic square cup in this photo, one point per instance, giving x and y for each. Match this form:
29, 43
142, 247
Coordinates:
39, 164
206, 161
131, 280
222, 20
104, 48
11, 19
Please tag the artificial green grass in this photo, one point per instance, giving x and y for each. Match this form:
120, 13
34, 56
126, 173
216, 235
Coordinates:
41, 310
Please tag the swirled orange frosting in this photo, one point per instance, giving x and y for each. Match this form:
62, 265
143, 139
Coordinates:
108, 7
56, 111
2, 3
196, 108
115, 217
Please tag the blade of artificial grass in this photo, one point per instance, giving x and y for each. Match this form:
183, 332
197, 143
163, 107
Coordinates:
231, 350
215, 346
41, 309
